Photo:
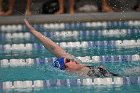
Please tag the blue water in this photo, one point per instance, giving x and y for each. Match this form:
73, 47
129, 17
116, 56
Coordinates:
82, 40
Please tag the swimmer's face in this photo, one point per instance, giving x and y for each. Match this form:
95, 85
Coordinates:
72, 64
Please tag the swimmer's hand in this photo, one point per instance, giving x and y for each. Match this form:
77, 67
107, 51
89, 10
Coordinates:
28, 25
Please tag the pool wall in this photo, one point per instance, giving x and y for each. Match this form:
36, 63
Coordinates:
79, 17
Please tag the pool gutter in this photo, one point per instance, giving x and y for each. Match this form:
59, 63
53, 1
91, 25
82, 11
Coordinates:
79, 17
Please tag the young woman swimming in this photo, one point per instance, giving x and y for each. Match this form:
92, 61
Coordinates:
66, 61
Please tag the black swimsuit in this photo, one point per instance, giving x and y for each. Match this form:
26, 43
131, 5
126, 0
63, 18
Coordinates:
99, 72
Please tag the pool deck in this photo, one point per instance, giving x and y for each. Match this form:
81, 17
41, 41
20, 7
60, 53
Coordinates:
78, 17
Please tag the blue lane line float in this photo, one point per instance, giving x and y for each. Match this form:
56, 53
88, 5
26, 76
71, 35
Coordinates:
82, 33
86, 59
119, 81
83, 25
113, 44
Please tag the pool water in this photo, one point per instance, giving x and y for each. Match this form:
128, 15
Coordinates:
25, 65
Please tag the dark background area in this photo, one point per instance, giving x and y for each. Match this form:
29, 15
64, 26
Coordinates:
36, 6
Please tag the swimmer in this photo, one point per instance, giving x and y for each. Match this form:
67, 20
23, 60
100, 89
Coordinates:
66, 61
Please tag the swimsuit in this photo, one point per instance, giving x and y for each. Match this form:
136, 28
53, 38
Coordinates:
94, 72
99, 72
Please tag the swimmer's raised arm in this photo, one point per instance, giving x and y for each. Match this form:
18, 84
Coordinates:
48, 43
64, 62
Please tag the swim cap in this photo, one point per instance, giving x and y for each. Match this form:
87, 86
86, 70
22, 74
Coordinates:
59, 63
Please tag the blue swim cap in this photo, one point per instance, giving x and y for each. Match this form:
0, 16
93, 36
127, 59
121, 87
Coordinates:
59, 63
